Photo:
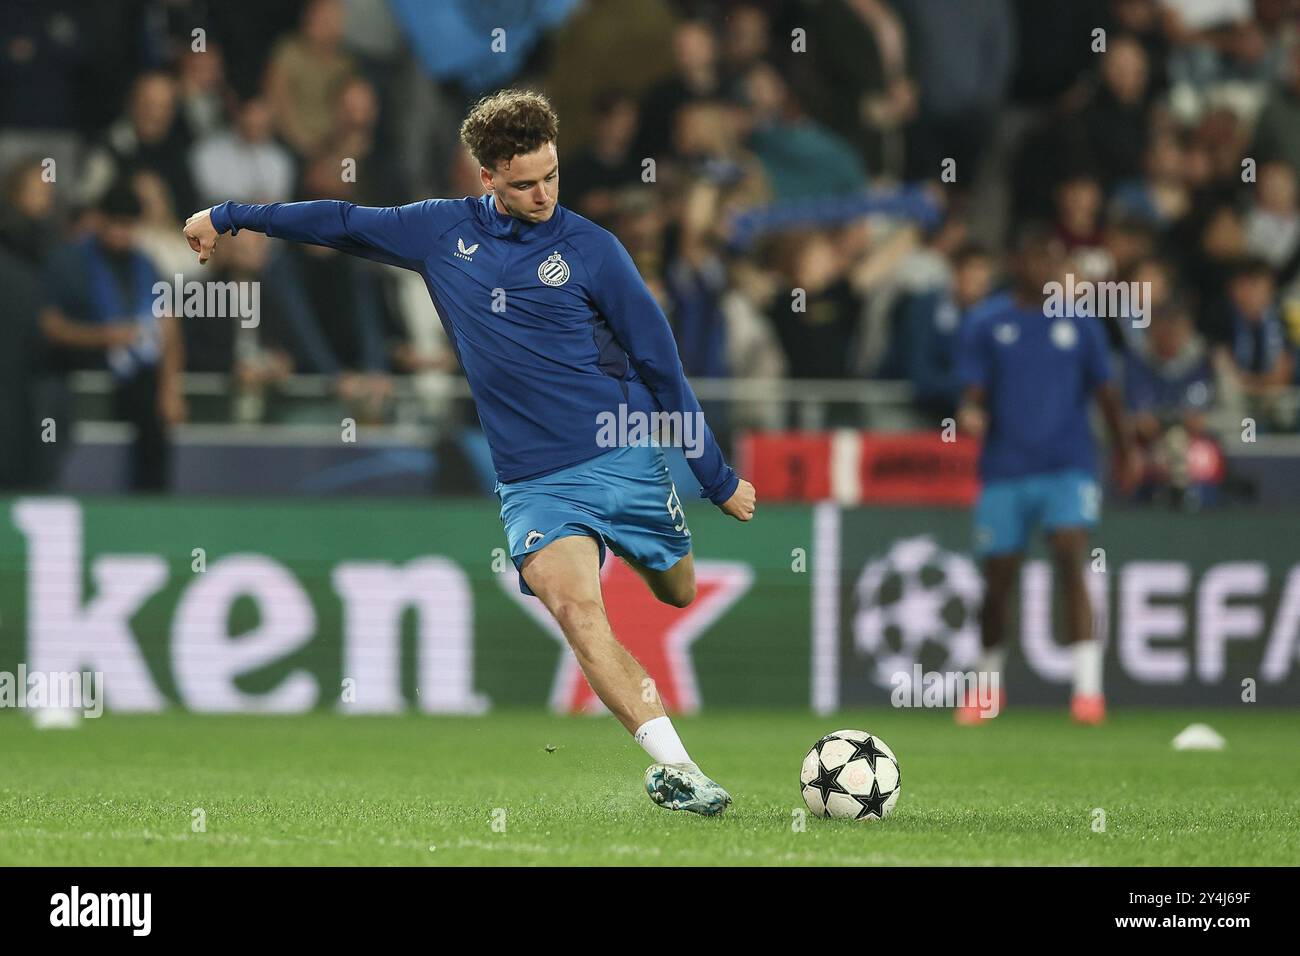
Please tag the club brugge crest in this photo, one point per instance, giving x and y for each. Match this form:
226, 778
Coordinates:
554, 271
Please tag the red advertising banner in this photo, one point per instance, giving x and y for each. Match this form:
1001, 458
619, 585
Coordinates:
852, 467
918, 468
787, 466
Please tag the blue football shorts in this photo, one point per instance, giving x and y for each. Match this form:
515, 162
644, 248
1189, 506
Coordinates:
1009, 510
624, 499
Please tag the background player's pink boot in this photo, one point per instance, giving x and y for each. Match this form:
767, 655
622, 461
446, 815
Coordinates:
972, 714
1088, 709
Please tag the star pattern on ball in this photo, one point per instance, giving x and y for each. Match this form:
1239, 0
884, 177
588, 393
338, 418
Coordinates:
827, 781
867, 749
873, 804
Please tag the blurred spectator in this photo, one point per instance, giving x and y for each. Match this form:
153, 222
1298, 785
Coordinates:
1117, 121
245, 163
28, 229
1211, 245
1219, 50
201, 91
1172, 389
1079, 224
1277, 132
696, 77
249, 33
708, 145
593, 176
148, 138
816, 312
305, 71
887, 260
1127, 242
641, 222
1160, 197
963, 55
1169, 379
857, 85
353, 167
333, 312
1258, 345
157, 233
753, 349
1224, 138
1157, 275
254, 353
101, 312
801, 158
746, 39
928, 327
1144, 21
1273, 221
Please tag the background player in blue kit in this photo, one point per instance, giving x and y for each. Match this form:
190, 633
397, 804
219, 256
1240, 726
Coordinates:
554, 327
1027, 383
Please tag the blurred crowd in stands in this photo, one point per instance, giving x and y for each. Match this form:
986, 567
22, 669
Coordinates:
729, 145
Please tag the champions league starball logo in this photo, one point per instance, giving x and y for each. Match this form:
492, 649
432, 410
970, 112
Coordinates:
917, 605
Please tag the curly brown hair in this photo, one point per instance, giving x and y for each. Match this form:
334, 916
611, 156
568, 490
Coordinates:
506, 124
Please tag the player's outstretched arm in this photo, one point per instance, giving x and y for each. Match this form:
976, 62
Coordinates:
397, 235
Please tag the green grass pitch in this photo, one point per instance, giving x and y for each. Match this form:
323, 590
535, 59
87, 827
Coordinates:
412, 790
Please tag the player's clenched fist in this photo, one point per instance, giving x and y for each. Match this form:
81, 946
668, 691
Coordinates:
201, 234
741, 503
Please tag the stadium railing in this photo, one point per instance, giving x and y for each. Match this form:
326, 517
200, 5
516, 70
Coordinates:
432, 397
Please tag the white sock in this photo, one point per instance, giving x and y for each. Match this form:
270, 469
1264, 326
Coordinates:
1087, 666
659, 739
990, 661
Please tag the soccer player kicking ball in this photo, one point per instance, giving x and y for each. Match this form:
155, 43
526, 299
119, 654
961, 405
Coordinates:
554, 328
1027, 381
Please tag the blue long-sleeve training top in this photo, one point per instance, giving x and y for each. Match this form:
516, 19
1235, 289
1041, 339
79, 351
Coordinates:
551, 321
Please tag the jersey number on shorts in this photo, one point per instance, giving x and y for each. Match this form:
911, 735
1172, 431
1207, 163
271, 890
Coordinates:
1090, 500
675, 511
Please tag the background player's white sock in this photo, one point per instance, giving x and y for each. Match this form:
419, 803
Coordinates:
990, 662
1087, 666
659, 739
991, 659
